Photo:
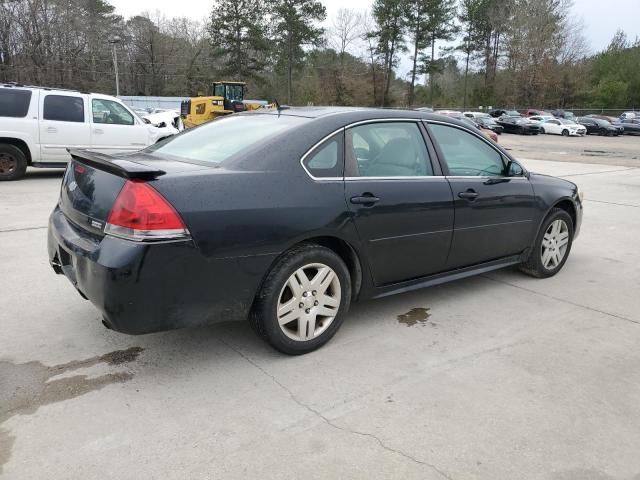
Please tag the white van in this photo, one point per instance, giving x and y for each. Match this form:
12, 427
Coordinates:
37, 125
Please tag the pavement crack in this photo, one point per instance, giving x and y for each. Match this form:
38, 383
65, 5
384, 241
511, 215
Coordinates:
612, 203
564, 300
332, 424
598, 173
24, 229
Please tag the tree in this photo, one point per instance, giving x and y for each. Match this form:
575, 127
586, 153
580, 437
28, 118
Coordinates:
440, 25
294, 29
238, 34
344, 32
472, 14
390, 17
417, 26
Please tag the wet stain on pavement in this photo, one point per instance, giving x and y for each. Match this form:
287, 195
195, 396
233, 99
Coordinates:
415, 315
26, 387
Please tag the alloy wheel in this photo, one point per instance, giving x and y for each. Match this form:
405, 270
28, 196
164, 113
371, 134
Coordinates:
7, 163
554, 244
309, 302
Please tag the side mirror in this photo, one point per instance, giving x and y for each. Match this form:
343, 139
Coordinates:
514, 169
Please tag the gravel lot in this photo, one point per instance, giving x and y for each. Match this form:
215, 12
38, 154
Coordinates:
498, 377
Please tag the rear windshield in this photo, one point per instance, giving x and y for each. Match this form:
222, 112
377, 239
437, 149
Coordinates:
14, 103
220, 139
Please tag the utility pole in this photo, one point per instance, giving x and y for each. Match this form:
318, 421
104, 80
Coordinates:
115, 41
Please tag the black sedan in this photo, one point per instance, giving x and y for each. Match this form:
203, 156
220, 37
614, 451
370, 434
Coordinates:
631, 126
522, 126
489, 123
501, 112
597, 126
286, 217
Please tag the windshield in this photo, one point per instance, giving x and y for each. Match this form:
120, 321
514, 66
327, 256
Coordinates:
565, 121
218, 140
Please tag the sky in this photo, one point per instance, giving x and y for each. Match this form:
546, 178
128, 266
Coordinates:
600, 20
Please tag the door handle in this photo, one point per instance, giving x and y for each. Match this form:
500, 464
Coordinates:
470, 194
98, 131
52, 130
367, 199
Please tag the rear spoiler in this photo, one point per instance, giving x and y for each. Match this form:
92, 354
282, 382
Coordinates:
116, 166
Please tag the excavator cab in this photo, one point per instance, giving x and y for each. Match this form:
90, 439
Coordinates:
232, 94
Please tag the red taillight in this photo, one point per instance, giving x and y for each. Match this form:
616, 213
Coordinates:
141, 213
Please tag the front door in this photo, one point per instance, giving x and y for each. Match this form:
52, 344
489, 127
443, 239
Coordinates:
401, 203
114, 129
63, 125
493, 210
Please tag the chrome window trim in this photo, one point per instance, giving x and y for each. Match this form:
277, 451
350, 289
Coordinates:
423, 177
420, 177
312, 150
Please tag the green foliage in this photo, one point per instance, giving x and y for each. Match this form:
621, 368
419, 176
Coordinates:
238, 34
294, 27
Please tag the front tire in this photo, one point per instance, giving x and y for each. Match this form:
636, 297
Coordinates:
565, 133
303, 300
552, 246
13, 163
542, 132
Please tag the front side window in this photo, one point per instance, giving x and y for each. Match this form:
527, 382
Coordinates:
392, 149
14, 103
465, 154
107, 111
63, 108
326, 160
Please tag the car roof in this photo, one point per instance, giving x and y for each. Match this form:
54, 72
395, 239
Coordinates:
352, 114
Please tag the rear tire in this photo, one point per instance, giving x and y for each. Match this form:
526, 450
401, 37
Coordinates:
542, 132
303, 300
13, 162
552, 246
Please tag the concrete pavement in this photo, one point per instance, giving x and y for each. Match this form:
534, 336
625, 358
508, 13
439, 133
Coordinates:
498, 377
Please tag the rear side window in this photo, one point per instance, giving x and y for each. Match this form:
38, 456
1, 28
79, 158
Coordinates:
220, 139
393, 149
326, 160
14, 103
63, 108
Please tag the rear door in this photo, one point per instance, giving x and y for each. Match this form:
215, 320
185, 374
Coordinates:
493, 212
401, 203
64, 124
114, 129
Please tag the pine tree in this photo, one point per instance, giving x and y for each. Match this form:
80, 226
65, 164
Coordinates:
294, 28
238, 35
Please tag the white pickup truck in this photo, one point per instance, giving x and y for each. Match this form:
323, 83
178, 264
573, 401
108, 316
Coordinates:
37, 125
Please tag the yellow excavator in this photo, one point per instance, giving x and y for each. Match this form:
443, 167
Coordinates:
224, 98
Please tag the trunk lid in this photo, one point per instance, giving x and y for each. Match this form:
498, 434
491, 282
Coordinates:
93, 181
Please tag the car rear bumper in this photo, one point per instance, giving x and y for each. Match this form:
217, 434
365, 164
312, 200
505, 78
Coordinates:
142, 288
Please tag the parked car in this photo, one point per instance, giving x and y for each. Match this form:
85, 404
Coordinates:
475, 115
424, 109
489, 123
163, 119
500, 113
522, 126
563, 114
37, 125
629, 115
597, 126
562, 126
631, 126
541, 118
532, 112
612, 120
471, 122
199, 229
